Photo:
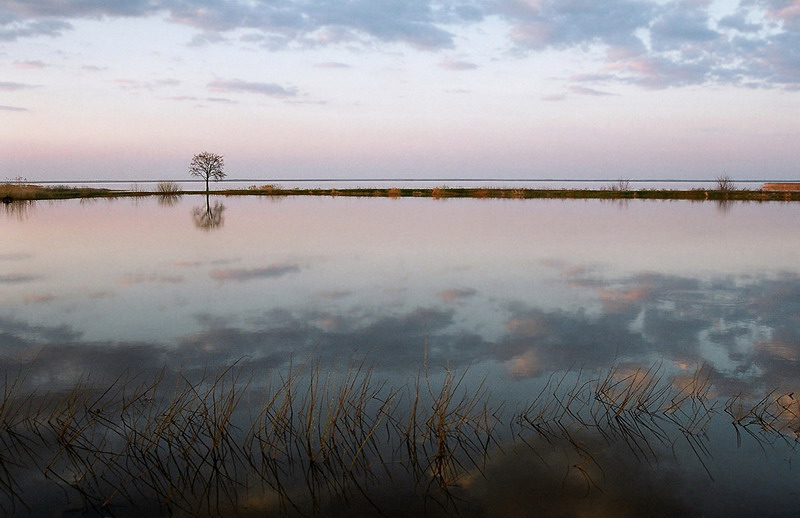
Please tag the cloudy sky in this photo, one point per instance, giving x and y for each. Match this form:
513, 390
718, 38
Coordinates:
630, 89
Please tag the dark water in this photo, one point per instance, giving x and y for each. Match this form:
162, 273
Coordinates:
328, 356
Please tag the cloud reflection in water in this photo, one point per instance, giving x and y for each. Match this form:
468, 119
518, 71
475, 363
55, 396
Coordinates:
280, 285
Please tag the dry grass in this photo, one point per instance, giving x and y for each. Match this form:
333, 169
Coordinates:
19, 191
791, 187
16, 192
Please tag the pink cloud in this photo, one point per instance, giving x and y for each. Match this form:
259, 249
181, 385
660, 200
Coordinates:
29, 64
525, 365
455, 295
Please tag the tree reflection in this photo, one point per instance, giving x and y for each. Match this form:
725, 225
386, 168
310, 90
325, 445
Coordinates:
208, 217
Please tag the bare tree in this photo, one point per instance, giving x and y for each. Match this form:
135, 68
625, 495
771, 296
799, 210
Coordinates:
724, 183
207, 165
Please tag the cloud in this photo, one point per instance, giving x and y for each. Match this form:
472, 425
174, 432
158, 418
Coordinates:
25, 336
582, 90
457, 294
83, 8
457, 65
13, 109
745, 328
559, 24
331, 64
249, 274
132, 280
669, 44
17, 278
739, 22
15, 29
334, 295
183, 98
268, 89
6, 86
29, 64
414, 22
680, 25
15, 257
651, 44
206, 38
146, 85
38, 299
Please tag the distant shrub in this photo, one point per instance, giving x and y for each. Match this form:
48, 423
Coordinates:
394, 192
168, 188
621, 185
724, 183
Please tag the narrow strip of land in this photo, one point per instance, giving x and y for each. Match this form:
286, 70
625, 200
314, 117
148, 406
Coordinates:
11, 192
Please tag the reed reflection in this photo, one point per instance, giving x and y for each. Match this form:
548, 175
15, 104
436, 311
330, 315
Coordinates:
18, 209
209, 217
168, 200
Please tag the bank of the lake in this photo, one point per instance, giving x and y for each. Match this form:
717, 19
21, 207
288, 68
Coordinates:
10, 192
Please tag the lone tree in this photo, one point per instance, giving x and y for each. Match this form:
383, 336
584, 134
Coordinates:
207, 165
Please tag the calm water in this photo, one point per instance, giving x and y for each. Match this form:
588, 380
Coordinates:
627, 358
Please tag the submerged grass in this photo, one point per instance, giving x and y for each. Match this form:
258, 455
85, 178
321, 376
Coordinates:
306, 440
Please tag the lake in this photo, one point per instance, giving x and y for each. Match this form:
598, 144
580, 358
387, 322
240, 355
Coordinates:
354, 356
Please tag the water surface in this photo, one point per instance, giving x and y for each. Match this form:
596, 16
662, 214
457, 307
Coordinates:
692, 305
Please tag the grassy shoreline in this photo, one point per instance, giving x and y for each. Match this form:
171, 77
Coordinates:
10, 192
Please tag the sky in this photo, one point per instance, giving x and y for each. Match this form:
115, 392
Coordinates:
299, 89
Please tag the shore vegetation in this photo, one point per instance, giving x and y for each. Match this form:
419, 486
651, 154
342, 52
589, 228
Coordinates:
721, 191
